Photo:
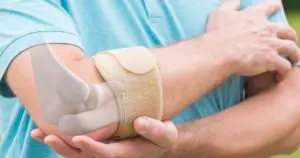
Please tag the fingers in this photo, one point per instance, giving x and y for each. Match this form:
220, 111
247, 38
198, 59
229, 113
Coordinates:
289, 49
285, 48
281, 65
161, 134
89, 121
58, 145
94, 148
161, 137
38, 135
268, 7
130, 148
284, 31
230, 5
61, 147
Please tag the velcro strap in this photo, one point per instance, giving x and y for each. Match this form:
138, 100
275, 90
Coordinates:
136, 71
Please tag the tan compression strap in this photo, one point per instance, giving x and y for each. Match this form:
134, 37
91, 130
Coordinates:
136, 71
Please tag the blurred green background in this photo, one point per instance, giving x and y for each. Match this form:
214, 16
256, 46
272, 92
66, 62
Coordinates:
292, 8
294, 19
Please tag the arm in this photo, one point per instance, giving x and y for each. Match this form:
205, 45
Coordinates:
174, 81
26, 23
258, 127
186, 53
186, 148
262, 126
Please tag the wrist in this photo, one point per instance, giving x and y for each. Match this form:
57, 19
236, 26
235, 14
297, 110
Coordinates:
289, 88
186, 146
214, 53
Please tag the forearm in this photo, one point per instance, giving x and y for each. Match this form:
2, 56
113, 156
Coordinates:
187, 71
251, 129
179, 67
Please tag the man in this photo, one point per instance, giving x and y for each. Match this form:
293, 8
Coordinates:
153, 12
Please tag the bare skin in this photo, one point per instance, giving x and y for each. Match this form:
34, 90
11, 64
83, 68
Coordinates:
259, 37
253, 129
219, 64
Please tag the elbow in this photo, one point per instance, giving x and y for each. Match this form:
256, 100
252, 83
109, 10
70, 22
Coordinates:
53, 130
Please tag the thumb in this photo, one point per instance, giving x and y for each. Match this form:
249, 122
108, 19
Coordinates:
163, 134
230, 5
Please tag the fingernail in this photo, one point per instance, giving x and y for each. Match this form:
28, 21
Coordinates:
36, 132
47, 140
78, 143
33, 134
143, 125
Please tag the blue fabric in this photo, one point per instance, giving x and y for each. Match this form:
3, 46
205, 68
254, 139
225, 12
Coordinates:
96, 25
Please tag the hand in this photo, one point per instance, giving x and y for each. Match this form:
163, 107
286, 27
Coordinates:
250, 39
158, 139
59, 145
229, 13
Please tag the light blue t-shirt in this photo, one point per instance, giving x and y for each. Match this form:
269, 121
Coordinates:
96, 25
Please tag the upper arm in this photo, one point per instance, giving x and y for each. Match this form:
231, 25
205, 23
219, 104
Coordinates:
29, 23
20, 79
24, 86
26, 23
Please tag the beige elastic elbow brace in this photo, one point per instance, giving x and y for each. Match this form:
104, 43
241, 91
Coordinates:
132, 89
135, 69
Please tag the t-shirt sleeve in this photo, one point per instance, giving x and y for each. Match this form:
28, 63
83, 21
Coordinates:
27, 23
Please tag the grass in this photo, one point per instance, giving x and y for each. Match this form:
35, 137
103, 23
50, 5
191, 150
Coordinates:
294, 20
